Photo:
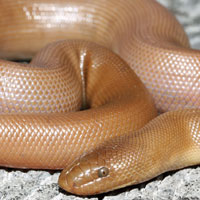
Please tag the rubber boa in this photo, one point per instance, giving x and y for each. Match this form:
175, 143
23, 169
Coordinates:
149, 39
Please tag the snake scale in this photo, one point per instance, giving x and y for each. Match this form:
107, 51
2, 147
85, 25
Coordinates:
79, 104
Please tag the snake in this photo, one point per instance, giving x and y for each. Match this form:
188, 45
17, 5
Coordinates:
111, 94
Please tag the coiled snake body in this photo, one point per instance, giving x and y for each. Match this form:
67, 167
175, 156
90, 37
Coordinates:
69, 75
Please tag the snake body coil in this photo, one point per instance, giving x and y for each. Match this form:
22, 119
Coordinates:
66, 76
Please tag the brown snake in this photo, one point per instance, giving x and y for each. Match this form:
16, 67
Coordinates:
66, 76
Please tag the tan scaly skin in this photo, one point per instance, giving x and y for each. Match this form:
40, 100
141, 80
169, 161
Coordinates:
170, 141
67, 76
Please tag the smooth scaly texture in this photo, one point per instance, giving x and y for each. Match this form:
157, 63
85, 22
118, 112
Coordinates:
74, 73
144, 34
170, 141
141, 32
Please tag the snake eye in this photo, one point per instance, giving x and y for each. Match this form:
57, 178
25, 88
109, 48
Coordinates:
103, 172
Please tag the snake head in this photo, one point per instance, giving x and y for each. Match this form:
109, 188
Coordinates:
88, 175
106, 168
